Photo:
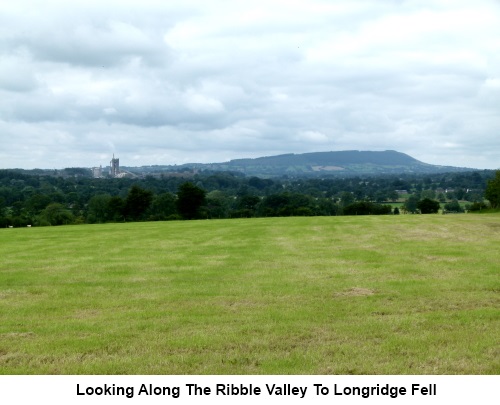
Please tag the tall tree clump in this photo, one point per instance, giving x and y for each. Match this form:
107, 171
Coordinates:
492, 192
55, 214
428, 206
190, 198
137, 202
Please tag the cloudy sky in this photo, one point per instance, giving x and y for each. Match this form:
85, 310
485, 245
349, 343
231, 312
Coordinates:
172, 82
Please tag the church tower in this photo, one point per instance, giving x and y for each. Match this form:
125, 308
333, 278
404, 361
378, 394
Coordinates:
114, 169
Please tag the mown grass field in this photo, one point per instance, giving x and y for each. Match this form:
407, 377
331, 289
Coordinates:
407, 294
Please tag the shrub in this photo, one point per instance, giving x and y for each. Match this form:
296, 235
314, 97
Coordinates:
428, 206
477, 206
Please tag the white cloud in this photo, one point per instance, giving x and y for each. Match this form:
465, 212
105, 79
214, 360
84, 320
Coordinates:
202, 104
316, 137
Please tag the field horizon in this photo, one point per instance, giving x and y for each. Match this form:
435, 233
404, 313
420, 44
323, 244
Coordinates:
407, 294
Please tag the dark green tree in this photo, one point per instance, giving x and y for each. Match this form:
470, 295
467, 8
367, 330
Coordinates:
410, 204
217, 204
276, 205
55, 214
327, 206
37, 202
381, 196
163, 207
393, 196
430, 194
346, 199
190, 199
492, 192
137, 202
248, 202
4, 222
453, 206
428, 206
245, 206
367, 208
478, 206
116, 209
460, 194
98, 208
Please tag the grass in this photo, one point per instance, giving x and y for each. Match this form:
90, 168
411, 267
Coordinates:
407, 294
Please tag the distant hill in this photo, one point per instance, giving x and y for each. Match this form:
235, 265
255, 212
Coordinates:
315, 164
343, 163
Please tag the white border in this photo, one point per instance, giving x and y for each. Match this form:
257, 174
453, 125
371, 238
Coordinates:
63, 389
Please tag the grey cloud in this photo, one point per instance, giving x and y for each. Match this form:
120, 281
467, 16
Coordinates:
17, 74
105, 46
203, 82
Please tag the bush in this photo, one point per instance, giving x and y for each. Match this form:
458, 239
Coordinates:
174, 217
243, 213
303, 212
428, 206
367, 208
478, 206
453, 206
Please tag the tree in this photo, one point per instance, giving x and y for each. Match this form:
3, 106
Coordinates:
410, 204
428, 206
277, 205
245, 206
460, 194
116, 208
217, 204
492, 192
137, 202
190, 199
367, 208
98, 208
37, 202
430, 194
55, 214
346, 199
162, 207
478, 206
453, 206
381, 196
327, 206
393, 196
248, 202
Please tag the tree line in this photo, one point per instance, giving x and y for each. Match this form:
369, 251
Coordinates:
40, 200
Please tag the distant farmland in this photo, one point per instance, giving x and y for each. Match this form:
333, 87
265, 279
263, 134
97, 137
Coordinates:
407, 294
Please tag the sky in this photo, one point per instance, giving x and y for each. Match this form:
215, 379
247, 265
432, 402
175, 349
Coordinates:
172, 82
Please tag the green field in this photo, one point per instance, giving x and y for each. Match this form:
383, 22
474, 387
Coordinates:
404, 294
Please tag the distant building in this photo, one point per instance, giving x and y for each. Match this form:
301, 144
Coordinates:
97, 172
114, 169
